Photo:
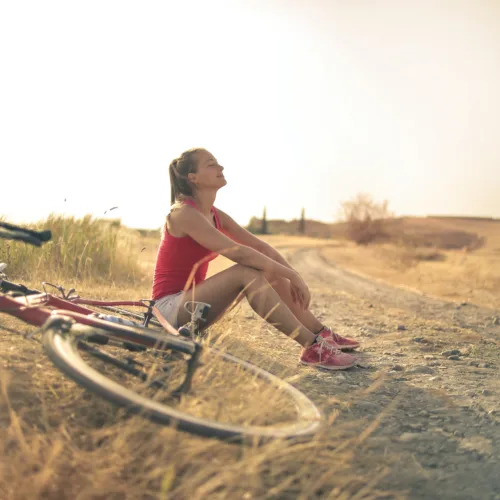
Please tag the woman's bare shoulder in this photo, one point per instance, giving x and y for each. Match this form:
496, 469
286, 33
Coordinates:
173, 218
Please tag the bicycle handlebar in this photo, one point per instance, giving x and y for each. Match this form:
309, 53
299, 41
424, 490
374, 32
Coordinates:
30, 236
7, 286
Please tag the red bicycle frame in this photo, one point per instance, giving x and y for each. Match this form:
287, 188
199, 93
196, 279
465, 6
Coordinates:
37, 309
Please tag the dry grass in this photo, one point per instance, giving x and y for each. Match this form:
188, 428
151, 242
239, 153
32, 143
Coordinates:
80, 249
61, 442
461, 275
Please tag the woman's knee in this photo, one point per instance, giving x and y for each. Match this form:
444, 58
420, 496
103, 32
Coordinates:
247, 274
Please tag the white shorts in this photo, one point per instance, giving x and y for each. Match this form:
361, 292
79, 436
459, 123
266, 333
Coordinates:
169, 307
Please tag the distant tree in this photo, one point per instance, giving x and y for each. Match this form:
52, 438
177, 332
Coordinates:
264, 222
366, 219
254, 225
302, 222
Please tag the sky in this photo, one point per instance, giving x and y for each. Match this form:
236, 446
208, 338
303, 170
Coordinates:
304, 102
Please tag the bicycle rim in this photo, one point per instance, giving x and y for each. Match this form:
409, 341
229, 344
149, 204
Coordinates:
62, 349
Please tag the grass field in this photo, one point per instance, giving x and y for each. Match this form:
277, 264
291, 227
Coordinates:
60, 442
458, 275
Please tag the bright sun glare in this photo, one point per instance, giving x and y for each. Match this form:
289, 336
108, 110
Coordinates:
304, 103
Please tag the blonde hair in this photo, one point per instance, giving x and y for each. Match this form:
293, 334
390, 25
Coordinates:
178, 170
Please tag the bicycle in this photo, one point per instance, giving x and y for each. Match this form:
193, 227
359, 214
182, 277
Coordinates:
154, 358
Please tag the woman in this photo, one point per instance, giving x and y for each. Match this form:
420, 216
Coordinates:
196, 232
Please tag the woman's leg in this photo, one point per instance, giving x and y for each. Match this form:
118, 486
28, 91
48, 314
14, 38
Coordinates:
306, 317
222, 289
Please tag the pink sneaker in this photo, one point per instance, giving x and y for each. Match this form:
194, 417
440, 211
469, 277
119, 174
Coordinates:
323, 354
342, 343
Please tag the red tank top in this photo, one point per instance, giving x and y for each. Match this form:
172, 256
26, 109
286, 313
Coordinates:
177, 257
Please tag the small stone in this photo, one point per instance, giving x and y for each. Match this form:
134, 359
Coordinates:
429, 357
419, 339
415, 427
371, 305
473, 363
476, 444
493, 412
471, 394
454, 357
397, 368
464, 303
386, 353
496, 320
451, 352
409, 436
340, 377
486, 392
432, 379
485, 365
402, 327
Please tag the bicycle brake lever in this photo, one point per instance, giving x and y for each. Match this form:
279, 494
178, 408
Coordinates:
60, 288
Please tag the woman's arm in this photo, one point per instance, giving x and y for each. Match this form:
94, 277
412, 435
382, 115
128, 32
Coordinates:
239, 234
194, 224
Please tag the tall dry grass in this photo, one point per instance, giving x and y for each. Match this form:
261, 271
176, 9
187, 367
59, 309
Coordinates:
80, 249
58, 441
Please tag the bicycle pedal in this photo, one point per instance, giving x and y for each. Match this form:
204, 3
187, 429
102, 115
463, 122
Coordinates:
185, 331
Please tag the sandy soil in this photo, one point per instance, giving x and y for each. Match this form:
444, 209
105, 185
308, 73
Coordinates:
423, 403
436, 363
439, 403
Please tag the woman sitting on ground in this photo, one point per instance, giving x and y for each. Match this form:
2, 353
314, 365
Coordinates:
196, 231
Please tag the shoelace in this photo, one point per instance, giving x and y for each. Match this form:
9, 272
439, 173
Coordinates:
323, 343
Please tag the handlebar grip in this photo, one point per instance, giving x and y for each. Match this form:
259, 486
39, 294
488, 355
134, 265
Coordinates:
7, 286
45, 235
27, 235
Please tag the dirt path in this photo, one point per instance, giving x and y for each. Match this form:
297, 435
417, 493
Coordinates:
437, 403
424, 404
440, 401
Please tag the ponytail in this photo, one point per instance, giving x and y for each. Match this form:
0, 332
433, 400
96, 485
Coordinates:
178, 170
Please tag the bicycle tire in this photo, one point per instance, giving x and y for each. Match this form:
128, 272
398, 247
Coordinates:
62, 349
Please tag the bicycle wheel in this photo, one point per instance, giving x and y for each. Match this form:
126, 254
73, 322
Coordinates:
229, 398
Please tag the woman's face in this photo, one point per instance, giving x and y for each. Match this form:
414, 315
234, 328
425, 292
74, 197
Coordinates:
209, 174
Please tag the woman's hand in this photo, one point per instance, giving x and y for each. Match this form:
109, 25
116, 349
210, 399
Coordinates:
300, 292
